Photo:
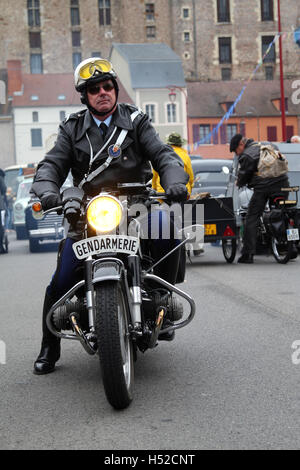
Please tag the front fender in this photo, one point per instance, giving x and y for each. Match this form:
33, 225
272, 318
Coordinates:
108, 270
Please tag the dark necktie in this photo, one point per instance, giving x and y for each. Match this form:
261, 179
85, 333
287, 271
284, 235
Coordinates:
103, 128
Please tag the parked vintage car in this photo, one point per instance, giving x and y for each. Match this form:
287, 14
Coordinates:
20, 205
211, 176
14, 174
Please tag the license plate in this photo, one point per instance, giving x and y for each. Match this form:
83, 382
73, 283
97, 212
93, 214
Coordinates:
292, 234
106, 244
210, 229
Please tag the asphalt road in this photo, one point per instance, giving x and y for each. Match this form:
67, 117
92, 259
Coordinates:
226, 382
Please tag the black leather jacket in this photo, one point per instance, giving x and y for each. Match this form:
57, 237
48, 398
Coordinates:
248, 162
141, 146
3, 202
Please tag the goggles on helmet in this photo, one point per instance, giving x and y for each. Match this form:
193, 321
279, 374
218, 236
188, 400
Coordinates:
92, 69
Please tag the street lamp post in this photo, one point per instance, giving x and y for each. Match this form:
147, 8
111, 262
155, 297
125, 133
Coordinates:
172, 97
283, 120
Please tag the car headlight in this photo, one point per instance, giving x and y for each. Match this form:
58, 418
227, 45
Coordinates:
104, 213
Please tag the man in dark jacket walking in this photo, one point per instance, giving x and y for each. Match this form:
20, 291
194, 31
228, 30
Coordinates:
3, 207
248, 152
85, 143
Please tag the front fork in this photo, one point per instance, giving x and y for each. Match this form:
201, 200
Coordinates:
89, 292
134, 267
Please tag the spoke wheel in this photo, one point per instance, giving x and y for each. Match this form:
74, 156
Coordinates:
229, 248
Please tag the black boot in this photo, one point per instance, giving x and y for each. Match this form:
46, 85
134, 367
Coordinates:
245, 258
50, 350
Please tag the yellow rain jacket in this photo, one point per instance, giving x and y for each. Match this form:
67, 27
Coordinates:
187, 168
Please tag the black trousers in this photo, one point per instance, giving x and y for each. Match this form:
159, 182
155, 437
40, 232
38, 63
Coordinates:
255, 211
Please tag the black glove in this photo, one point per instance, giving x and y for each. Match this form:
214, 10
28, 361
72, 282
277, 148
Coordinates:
177, 192
72, 200
72, 212
50, 200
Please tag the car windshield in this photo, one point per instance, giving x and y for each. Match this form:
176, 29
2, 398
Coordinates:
11, 179
211, 178
23, 190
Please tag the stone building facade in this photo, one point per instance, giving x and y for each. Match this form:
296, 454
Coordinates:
216, 39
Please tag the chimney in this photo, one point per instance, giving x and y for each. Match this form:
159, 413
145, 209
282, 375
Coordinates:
14, 73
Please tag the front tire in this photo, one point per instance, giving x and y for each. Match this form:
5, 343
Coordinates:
229, 248
115, 344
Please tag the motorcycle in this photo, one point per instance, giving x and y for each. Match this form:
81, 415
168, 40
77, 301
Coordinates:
119, 307
278, 227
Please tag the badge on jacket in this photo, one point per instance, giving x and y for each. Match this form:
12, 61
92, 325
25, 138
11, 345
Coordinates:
114, 151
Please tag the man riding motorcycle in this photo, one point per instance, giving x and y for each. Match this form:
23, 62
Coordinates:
90, 144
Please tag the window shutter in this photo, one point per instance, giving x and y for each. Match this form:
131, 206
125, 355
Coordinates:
223, 134
215, 135
243, 129
196, 133
289, 131
272, 133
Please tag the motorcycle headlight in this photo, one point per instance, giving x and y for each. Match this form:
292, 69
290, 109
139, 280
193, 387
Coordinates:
104, 213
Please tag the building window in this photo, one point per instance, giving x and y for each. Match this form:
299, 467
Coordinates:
223, 7
35, 116
269, 71
172, 112
226, 74
265, 42
75, 17
150, 110
150, 11
187, 36
151, 32
185, 13
225, 50
204, 132
76, 59
33, 10
36, 138
228, 105
104, 12
267, 10
286, 105
231, 130
35, 40
62, 115
272, 133
36, 63
96, 54
76, 38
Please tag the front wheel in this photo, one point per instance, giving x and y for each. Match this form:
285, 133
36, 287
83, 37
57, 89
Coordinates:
114, 343
282, 251
229, 248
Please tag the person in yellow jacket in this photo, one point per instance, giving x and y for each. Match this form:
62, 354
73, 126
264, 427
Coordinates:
176, 141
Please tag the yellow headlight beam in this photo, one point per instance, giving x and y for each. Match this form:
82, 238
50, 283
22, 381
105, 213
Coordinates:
104, 213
